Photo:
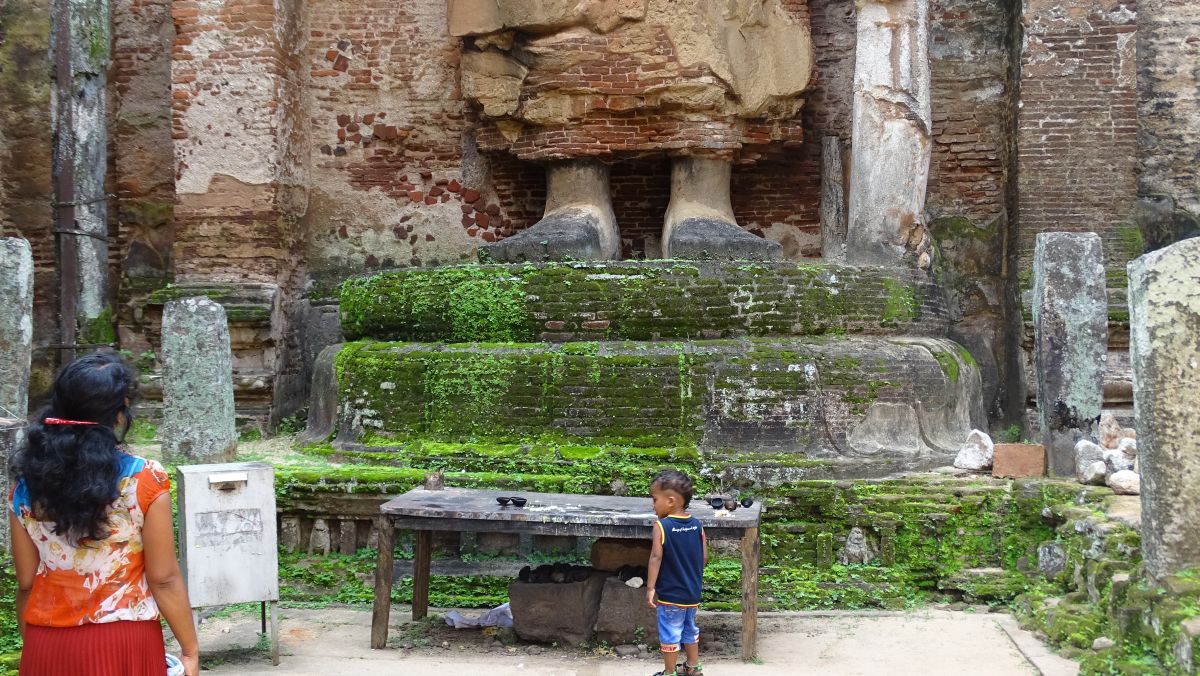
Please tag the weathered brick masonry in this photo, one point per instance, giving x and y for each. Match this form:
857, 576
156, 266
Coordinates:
1078, 124
288, 143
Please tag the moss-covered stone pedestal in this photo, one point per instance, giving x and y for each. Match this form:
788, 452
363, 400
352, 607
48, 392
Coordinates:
835, 370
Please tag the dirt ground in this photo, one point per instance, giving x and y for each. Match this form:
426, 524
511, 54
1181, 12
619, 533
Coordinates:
334, 641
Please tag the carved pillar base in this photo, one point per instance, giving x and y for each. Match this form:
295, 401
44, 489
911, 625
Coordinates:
700, 223
578, 223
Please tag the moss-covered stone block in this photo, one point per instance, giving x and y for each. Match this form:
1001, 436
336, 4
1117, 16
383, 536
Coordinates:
638, 300
807, 399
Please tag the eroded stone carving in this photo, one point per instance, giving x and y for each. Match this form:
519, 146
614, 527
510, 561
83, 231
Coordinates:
198, 413
858, 549
575, 83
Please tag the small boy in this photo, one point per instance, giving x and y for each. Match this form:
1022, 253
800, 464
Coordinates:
678, 555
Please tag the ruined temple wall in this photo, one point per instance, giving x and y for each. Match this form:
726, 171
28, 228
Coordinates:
142, 164
390, 185
1077, 126
228, 78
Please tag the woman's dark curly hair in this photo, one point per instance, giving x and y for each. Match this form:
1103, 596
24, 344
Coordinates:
71, 471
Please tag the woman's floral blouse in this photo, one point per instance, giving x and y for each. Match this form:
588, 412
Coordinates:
95, 581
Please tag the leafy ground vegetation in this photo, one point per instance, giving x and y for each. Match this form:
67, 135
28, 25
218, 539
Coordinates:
936, 538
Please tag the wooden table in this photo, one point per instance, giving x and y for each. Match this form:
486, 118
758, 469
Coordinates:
476, 511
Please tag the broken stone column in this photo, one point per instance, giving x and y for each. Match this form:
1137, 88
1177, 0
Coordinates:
700, 222
1070, 325
16, 345
833, 200
1164, 346
891, 139
578, 224
82, 142
198, 415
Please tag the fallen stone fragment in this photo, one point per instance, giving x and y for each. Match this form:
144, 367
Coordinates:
977, 453
1125, 482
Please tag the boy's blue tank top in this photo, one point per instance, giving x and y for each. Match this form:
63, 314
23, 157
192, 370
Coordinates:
681, 575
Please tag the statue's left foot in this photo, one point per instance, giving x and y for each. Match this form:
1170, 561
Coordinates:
700, 224
700, 238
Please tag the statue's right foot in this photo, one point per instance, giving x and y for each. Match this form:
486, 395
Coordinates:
567, 234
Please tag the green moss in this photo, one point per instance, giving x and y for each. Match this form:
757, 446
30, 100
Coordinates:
640, 301
949, 363
959, 227
1131, 240
901, 304
101, 330
461, 303
10, 640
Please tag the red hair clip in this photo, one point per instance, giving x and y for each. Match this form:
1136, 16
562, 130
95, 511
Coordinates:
62, 421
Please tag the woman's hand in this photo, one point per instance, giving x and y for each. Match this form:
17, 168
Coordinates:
650, 598
191, 664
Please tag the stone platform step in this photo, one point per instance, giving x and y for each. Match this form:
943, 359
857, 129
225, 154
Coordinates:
639, 300
905, 403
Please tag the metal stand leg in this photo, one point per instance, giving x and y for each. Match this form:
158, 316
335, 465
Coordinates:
274, 633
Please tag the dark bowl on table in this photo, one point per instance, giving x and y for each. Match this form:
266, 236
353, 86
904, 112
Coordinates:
519, 502
503, 501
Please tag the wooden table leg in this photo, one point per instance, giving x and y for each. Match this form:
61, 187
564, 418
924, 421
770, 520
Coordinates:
385, 571
749, 594
421, 557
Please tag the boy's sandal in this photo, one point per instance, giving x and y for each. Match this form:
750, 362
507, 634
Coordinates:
684, 670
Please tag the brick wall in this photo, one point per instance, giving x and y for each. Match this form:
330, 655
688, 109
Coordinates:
142, 159
1077, 124
389, 182
230, 73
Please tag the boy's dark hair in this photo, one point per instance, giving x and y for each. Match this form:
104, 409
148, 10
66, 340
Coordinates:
674, 480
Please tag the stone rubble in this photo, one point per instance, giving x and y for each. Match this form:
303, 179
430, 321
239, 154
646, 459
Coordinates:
976, 453
1125, 482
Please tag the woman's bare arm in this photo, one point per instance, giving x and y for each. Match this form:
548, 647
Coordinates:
26, 561
166, 580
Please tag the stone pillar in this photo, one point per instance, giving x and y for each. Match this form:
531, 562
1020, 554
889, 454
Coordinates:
198, 416
833, 200
82, 139
1164, 346
16, 343
1070, 324
891, 139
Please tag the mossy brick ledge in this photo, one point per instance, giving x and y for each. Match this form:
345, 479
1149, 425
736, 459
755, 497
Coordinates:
799, 398
639, 301
247, 304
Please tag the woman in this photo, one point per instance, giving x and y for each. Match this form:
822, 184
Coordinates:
93, 538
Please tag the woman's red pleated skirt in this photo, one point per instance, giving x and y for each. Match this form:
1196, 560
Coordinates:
109, 649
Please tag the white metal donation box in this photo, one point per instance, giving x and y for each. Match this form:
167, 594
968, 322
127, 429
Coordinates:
228, 537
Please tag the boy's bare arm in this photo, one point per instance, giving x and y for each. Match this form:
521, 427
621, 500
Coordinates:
656, 555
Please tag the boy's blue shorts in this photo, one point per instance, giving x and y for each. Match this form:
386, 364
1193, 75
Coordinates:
676, 625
